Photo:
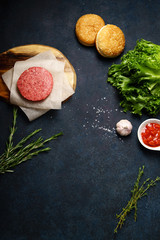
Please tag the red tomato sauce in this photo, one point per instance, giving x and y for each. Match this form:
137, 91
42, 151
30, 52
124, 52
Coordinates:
151, 134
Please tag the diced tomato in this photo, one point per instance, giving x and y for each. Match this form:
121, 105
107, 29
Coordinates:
151, 135
153, 132
151, 143
157, 126
150, 138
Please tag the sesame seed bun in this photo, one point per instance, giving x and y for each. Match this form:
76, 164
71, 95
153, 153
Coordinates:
110, 41
87, 28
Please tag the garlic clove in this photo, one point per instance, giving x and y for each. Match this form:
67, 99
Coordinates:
124, 127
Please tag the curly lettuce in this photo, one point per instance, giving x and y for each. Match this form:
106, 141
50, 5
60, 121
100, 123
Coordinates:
137, 79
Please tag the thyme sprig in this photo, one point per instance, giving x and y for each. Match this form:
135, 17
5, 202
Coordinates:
137, 193
14, 155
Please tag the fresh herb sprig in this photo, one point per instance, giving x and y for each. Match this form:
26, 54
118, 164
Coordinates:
137, 193
14, 155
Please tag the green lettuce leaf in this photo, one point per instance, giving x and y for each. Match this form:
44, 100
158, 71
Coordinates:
137, 78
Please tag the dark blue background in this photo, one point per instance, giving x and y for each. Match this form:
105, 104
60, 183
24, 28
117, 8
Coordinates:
74, 191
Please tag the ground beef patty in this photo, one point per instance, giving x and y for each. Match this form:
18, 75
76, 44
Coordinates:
35, 83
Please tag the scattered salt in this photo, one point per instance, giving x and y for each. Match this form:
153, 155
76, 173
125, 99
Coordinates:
99, 114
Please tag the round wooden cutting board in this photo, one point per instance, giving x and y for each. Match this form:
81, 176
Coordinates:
8, 59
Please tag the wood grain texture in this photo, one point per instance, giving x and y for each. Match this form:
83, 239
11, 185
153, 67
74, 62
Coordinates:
9, 57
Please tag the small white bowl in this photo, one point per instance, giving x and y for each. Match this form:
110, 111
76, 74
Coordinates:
141, 127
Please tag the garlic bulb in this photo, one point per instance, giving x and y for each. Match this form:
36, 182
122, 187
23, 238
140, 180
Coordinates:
124, 127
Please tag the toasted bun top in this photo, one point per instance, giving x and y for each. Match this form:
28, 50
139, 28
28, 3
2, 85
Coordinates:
87, 28
110, 41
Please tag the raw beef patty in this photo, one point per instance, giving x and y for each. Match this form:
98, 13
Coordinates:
35, 83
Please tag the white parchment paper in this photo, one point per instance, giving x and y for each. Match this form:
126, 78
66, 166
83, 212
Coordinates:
61, 88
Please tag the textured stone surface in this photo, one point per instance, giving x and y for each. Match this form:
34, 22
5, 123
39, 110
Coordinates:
74, 191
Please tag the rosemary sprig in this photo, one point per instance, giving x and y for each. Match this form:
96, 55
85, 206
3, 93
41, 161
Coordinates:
14, 155
137, 193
